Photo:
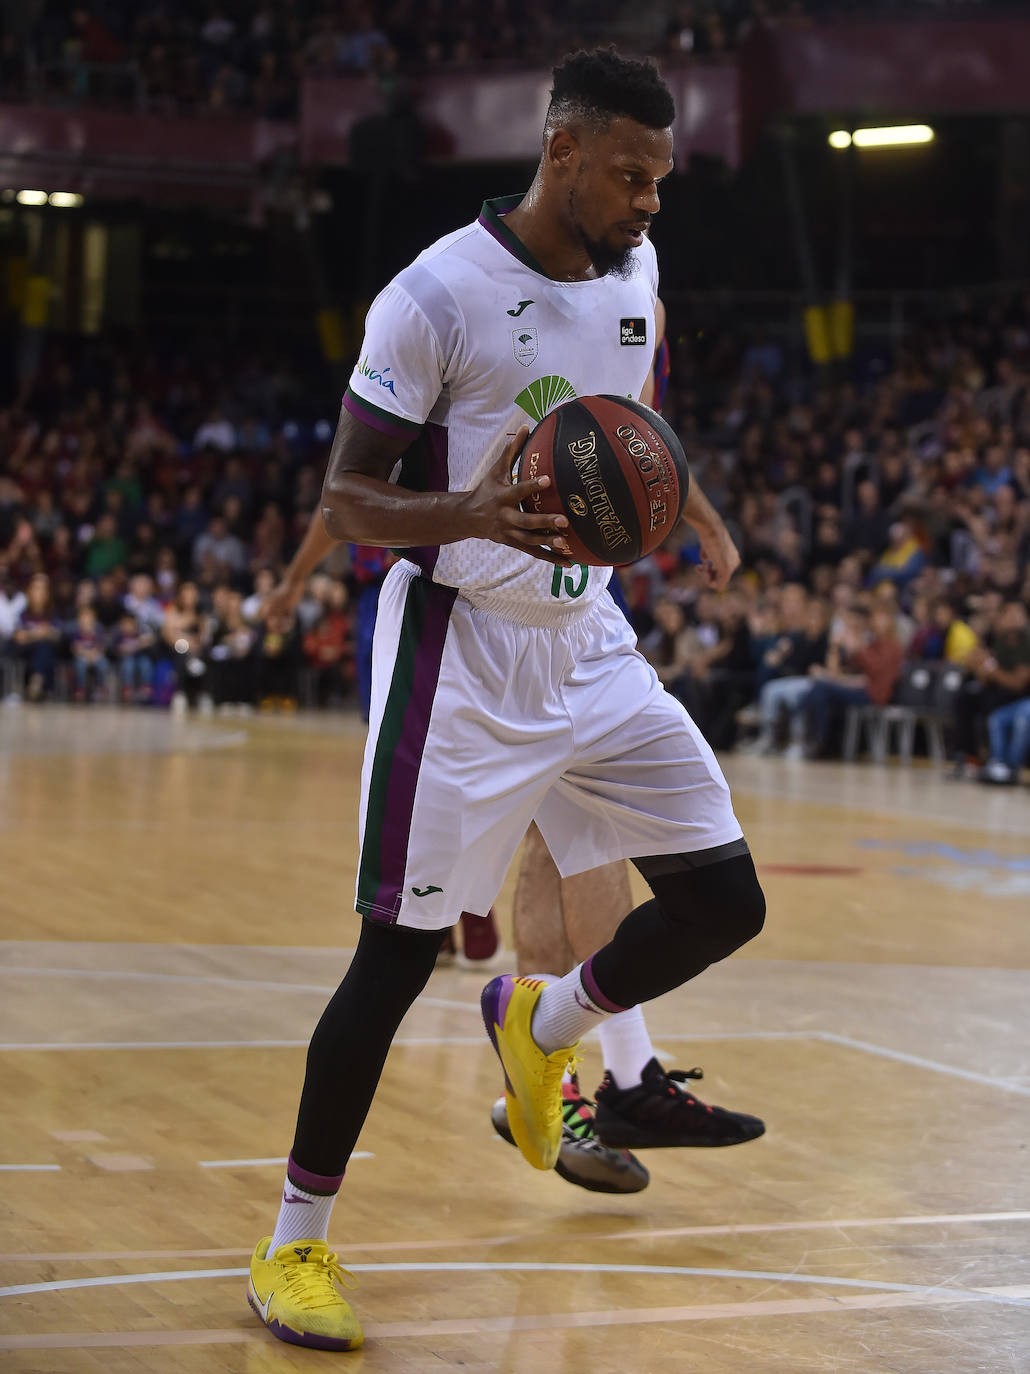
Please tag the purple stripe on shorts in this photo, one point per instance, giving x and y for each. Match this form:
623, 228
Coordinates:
375, 419
591, 989
407, 757
325, 1185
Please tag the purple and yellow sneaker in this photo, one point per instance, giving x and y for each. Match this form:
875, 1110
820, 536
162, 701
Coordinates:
294, 1293
532, 1079
582, 1159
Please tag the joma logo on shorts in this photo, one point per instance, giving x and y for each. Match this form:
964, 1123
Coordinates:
374, 376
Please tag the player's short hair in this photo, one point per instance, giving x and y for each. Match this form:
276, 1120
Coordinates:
593, 88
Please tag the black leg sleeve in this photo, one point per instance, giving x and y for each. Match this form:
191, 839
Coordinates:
348, 1049
699, 915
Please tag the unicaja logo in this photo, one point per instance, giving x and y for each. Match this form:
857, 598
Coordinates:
374, 376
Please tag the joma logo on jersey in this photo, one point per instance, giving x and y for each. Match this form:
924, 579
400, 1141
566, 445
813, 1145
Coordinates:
632, 331
374, 375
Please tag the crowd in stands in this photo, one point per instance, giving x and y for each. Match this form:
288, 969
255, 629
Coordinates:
882, 523
222, 56
143, 519
147, 507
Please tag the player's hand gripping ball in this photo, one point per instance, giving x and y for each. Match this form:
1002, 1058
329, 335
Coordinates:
618, 474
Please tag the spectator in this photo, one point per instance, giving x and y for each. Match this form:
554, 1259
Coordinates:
106, 550
861, 670
36, 638
329, 648
264, 581
12, 603
223, 550
88, 657
186, 632
277, 664
902, 560
1008, 729
131, 646
786, 695
230, 657
216, 432
868, 527
1000, 676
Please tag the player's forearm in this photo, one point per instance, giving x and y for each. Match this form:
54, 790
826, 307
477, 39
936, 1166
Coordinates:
700, 512
315, 545
366, 510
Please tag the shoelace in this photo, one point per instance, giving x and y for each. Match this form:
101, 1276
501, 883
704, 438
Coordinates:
581, 1127
549, 1078
311, 1282
682, 1076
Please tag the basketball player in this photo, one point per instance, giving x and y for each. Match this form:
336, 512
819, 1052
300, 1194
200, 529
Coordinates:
506, 684
559, 921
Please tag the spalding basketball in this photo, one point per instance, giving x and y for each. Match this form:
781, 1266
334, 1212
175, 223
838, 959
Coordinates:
618, 473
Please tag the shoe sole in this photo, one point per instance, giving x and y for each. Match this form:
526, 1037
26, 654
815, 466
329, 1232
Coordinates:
291, 1337
632, 1180
618, 1134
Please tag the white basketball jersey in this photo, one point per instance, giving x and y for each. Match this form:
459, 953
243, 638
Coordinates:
467, 344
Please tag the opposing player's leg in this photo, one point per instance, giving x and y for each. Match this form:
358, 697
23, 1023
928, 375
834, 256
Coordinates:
541, 943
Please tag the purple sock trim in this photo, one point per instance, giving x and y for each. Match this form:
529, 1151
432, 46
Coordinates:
591, 989
323, 1185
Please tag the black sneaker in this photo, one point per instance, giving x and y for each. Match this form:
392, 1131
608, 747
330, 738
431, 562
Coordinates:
657, 1113
582, 1159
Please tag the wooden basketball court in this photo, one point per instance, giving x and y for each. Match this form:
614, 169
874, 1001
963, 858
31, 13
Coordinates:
175, 908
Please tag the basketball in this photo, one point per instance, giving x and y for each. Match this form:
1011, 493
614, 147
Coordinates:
618, 473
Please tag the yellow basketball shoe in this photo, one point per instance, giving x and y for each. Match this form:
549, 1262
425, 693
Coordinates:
294, 1293
532, 1079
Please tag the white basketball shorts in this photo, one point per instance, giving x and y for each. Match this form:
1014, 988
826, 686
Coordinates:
480, 725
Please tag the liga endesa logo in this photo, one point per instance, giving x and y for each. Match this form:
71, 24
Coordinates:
373, 375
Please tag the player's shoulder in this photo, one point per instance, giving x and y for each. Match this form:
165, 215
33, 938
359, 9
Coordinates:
433, 287
441, 275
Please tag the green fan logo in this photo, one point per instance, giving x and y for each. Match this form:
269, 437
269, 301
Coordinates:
543, 395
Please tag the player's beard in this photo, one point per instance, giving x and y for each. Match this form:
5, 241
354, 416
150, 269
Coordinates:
607, 261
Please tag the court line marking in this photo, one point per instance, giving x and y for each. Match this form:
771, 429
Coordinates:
527, 1267
531, 1238
257, 1163
917, 1061
772, 1307
265, 985
1009, 1085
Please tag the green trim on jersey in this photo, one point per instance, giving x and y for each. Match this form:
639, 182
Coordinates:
492, 214
378, 413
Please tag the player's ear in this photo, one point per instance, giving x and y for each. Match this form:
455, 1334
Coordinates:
563, 151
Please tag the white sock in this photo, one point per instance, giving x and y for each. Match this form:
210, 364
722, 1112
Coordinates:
566, 1010
303, 1214
626, 1046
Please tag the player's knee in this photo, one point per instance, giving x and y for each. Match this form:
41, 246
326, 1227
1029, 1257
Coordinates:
722, 904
